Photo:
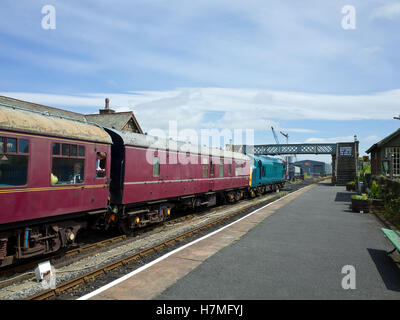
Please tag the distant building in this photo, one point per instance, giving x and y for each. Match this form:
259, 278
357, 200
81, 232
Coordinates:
124, 121
313, 168
107, 117
385, 156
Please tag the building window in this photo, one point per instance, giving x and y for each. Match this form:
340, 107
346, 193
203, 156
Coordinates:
67, 167
101, 162
13, 164
393, 155
221, 167
156, 167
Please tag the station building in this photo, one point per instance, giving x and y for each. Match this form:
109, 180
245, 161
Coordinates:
385, 156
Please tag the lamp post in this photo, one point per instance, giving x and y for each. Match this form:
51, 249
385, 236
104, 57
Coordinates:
385, 165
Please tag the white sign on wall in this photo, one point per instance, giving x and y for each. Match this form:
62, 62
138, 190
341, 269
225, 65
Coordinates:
346, 151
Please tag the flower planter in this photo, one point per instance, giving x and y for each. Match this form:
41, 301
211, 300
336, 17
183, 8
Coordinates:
358, 205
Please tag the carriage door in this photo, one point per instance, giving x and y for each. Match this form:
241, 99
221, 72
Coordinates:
212, 174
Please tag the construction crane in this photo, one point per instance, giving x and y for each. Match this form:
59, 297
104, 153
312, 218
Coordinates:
275, 136
285, 135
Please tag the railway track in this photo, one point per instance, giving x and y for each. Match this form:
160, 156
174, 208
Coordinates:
126, 260
75, 254
91, 249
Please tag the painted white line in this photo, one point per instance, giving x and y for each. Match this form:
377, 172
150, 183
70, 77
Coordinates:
131, 274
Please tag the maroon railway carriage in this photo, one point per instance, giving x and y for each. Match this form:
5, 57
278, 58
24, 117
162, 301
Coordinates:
53, 173
149, 176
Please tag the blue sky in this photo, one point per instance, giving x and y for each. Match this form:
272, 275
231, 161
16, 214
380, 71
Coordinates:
213, 64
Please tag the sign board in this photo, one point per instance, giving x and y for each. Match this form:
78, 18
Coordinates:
346, 151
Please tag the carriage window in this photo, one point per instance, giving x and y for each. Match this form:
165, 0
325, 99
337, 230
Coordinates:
13, 168
211, 168
221, 168
11, 145
67, 171
263, 171
230, 169
65, 149
67, 165
101, 161
81, 152
56, 149
73, 150
204, 161
156, 167
23, 146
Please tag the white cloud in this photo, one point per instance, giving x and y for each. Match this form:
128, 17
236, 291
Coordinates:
239, 108
388, 11
372, 139
300, 130
330, 140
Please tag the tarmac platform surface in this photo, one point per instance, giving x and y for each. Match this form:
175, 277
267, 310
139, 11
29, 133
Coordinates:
294, 248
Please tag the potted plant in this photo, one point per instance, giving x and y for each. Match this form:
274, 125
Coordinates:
359, 203
351, 186
376, 198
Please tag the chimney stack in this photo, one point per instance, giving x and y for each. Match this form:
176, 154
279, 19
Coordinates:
107, 109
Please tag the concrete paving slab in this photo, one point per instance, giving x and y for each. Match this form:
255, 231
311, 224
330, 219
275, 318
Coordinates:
153, 281
299, 253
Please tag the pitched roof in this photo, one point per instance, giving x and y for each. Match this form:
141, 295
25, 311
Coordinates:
383, 141
116, 120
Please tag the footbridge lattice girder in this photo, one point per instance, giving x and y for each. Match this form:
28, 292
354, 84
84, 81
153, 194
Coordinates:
303, 148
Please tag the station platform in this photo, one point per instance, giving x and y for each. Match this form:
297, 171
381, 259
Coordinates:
293, 248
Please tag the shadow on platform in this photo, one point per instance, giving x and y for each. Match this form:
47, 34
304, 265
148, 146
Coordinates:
344, 196
387, 269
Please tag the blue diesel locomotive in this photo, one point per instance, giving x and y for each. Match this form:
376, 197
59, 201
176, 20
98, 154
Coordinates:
267, 174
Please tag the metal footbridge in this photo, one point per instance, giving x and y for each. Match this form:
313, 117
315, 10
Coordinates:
289, 149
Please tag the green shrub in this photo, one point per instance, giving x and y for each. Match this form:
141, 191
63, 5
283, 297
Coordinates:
367, 169
392, 209
376, 191
351, 183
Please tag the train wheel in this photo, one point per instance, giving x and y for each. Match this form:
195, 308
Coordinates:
237, 196
123, 227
